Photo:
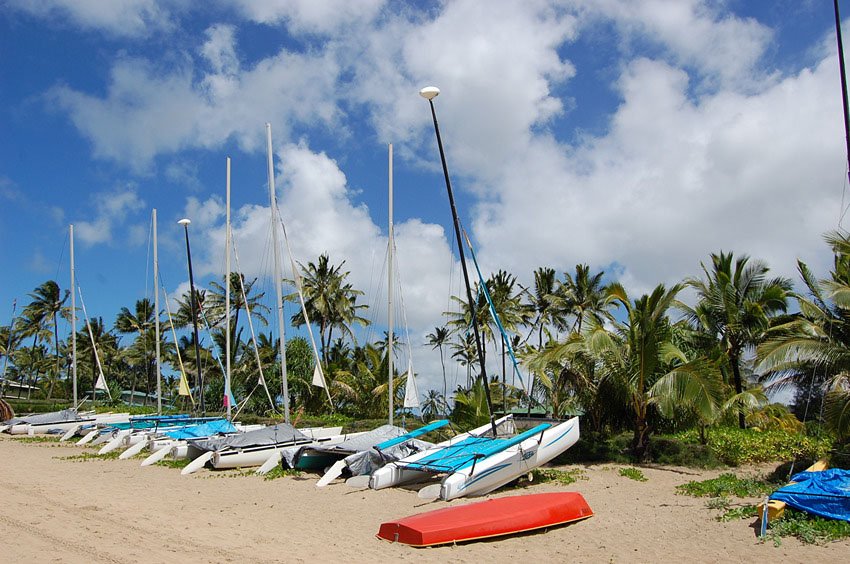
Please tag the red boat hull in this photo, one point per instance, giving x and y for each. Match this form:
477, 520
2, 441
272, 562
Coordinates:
485, 519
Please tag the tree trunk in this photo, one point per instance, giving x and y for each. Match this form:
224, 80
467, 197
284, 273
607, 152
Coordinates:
640, 442
739, 387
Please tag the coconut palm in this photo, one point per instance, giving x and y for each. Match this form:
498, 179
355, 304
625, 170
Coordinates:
142, 353
434, 405
238, 302
813, 348
108, 351
736, 303
437, 340
582, 296
633, 353
47, 303
330, 301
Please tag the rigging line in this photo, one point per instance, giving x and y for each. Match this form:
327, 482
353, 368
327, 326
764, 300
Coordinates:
403, 310
184, 382
297, 279
102, 378
262, 378
493, 314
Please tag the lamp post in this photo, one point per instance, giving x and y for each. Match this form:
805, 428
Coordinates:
429, 93
193, 297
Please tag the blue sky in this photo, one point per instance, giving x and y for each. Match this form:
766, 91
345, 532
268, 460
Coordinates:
635, 136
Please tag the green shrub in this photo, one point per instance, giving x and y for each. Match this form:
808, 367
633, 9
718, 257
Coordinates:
726, 485
810, 529
735, 446
633, 474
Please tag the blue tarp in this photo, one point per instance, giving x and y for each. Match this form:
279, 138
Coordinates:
825, 493
208, 429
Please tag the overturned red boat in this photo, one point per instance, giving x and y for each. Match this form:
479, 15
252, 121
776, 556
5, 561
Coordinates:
485, 519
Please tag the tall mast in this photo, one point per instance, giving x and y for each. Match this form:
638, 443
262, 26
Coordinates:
156, 317
843, 85
73, 322
284, 385
390, 286
429, 93
227, 392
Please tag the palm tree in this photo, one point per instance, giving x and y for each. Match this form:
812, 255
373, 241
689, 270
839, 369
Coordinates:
142, 353
542, 303
632, 355
329, 300
507, 311
216, 303
434, 405
583, 296
813, 348
437, 339
466, 353
736, 303
107, 347
47, 303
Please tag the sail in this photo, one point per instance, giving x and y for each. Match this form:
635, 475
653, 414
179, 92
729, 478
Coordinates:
411, 394
318, 377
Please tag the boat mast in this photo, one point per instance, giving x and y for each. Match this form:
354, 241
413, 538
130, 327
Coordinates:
156, 317
73, 322
284, 385
227, 392
843, 85
390, 286
429, 93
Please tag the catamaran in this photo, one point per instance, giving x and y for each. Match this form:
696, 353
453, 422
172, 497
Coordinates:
494, 454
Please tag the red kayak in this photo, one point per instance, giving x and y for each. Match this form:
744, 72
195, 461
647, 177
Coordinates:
485, 519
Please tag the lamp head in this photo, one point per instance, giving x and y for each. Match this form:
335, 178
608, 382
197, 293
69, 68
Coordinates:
429, 92
185, 221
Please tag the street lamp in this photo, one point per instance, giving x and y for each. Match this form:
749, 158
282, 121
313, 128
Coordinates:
196, 307
429, 93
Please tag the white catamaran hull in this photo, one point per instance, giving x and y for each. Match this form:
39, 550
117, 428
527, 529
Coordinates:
497, 470
394, 474
247, 458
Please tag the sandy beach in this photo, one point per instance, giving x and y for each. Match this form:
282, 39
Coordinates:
58, 510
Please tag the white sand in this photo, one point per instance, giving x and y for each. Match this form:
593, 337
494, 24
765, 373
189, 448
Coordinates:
55, 510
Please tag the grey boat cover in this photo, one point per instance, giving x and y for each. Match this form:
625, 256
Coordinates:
359, 443
63, 416
267, 436
367, 460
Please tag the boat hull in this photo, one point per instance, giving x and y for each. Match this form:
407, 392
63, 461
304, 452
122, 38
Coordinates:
487, 519
501, 468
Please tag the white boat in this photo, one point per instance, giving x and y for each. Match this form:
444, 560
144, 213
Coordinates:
254, 448
476, 463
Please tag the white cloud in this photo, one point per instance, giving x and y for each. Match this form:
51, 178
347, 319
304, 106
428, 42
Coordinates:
163, 111
724, 48
130, 18
111, 209
309, 16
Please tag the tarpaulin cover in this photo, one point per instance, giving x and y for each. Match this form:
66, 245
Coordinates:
360, 443
208, 429
825, 493
267, 436
63, 416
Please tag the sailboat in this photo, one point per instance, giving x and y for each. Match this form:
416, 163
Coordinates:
486, 458
363, 454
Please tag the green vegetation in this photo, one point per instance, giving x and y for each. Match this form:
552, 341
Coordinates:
549, 475
87, 456
179, 464
809, 529
726, 485
633, 474
280, 472
734, 446
654, 378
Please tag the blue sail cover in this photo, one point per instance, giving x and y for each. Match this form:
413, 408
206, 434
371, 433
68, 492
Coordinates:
208, 429
825, 493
